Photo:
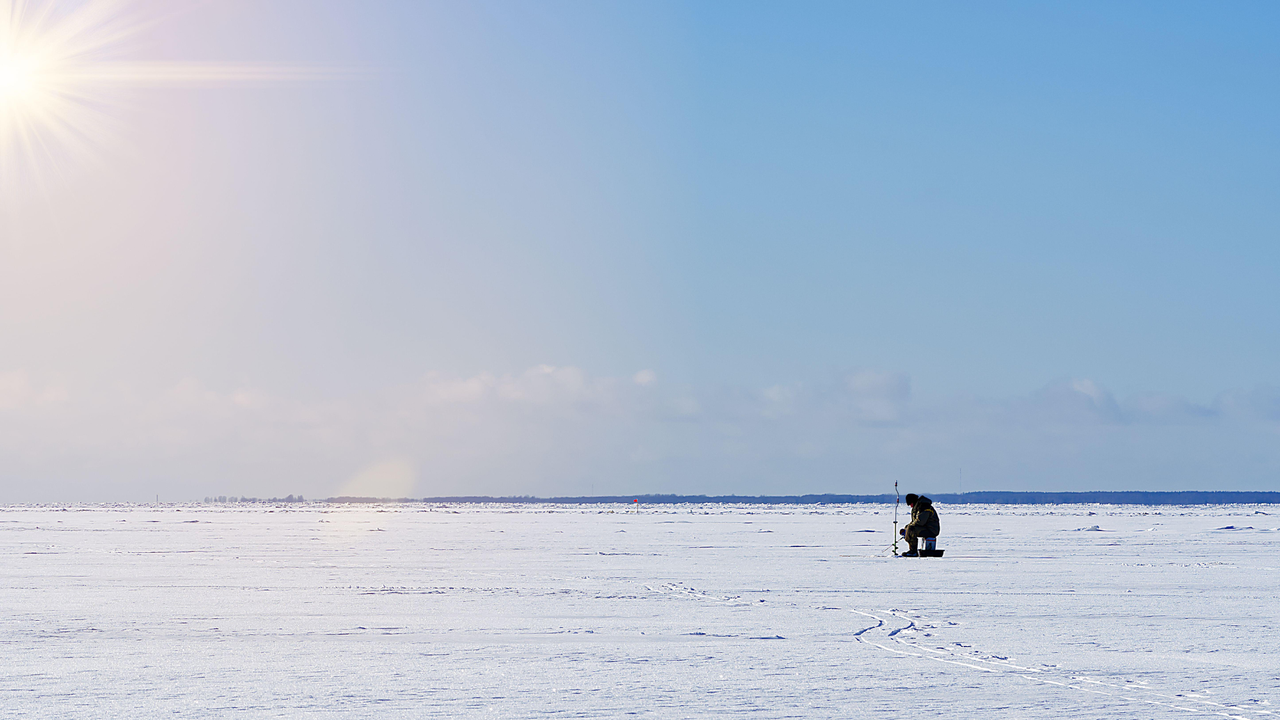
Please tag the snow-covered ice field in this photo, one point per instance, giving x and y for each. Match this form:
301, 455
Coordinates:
411, 611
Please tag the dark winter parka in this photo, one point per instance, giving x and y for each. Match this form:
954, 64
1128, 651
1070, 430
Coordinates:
924, 519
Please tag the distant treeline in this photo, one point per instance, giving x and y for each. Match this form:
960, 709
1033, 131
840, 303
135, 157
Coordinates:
995, 497
233, 499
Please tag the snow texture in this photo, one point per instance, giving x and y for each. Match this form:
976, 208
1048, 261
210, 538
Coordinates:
526, 611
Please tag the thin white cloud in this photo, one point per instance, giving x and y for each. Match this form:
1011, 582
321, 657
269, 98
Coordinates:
560, 429
539, 385
879, 397
18, 390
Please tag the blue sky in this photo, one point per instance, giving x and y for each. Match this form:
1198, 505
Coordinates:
541, 248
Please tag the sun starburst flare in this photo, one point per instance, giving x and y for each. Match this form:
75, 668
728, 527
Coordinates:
63, 68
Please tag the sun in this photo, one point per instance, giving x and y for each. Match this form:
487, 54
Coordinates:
19, 77
44, 108
32, 70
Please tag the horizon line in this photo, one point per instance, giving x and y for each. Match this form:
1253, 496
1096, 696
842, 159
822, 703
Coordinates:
991, 497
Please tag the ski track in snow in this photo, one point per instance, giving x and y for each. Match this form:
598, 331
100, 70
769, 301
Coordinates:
990, 663
658, 612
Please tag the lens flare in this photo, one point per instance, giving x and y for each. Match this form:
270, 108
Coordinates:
63, 68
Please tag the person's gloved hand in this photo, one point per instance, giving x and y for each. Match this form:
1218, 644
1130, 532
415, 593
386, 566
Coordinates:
903, 532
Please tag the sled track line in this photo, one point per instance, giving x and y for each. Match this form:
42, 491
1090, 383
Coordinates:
1037, 675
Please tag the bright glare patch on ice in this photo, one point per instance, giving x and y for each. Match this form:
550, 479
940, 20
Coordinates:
659, 611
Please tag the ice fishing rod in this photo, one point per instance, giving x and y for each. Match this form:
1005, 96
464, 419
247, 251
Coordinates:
896, 499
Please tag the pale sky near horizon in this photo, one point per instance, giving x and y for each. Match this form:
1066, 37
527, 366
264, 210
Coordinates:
594, 248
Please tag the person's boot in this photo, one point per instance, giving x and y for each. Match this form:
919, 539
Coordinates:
911, 553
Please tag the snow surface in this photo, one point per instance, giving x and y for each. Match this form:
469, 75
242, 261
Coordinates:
654, 611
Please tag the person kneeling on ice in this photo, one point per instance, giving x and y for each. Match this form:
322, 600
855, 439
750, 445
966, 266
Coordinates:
924, 523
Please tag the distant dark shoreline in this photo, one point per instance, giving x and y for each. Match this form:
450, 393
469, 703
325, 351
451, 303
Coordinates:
1190, 497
